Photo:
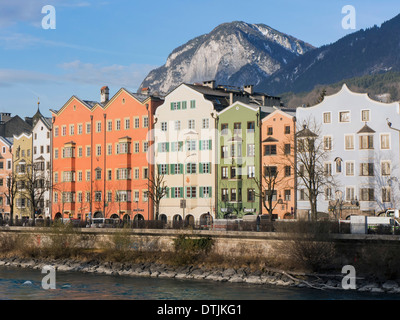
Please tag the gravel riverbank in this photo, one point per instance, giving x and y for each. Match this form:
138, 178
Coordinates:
242, 275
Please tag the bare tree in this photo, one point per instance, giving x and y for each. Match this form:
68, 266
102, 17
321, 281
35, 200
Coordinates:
266, 188
311, 152
157, 190
10, 193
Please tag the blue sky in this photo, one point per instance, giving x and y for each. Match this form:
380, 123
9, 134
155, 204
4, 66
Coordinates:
116, 43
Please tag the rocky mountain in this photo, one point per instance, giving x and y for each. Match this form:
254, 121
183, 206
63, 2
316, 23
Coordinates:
234, 54
366, 52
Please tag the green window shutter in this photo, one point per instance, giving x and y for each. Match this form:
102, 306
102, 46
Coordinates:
167, 146
209, 144
159, 147
172, 106
181, 168
201, 192
186, 190
172, 168
209, 167
179, 106
184, 105
200, 145
210, 192
200, 168
172, 193
181, 192
159, 169
173, 146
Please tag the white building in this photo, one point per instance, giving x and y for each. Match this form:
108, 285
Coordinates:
41, 157
362, 153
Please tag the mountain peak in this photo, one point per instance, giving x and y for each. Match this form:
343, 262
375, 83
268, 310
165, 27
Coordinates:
234, 53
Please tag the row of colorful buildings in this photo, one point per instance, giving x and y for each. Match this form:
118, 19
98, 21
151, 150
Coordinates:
216, 152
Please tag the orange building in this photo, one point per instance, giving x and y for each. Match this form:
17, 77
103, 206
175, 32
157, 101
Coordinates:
100, 157
277, 161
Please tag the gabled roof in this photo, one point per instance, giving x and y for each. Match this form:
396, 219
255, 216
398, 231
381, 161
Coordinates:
366, 129
306, 133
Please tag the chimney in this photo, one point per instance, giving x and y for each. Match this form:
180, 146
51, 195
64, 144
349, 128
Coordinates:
146, 91
210, 84
104, 94
249, 89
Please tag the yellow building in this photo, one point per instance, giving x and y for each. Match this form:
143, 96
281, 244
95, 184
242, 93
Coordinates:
22, 160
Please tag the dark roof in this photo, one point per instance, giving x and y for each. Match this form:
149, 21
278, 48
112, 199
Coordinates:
306, 133
366, 129
270, 139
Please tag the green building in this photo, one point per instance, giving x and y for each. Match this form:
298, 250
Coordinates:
239, 127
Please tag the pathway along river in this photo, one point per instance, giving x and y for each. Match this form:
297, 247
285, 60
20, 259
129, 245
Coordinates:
26, 284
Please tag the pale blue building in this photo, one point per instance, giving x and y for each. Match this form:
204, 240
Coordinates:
362, 153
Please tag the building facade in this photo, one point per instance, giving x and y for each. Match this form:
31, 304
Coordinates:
361, 154
277, 163
22, 171
239, 128
101, 157
6, 158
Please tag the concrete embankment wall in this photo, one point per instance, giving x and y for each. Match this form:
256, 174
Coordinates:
226, 243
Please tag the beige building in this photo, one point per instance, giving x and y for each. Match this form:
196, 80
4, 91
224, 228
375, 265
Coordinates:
22, 161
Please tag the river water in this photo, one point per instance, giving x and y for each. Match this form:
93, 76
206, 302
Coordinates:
26, 284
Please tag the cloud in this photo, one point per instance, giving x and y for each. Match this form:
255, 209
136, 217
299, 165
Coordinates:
30, 11
130, 76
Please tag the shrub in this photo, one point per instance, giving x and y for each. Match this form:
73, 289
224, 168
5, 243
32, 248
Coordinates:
189, 250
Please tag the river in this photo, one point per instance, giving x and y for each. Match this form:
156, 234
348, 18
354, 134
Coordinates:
26, 284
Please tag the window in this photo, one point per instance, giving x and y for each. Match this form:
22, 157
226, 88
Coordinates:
270, 131
205, 167
251, 171
88, 151
224, 128
117, 124
302, 194
287, 148
191, 192
366, 142
350, 194
270, 150
123, 148
98, 150
145, 122
137, 123
145, 146
327, 117
191, 168
386, 194
366, 169
344, 116
177, 192
127, 124
367, 194
191, 124
205, 124
288, 171
349, 168
63, 130
88, 127
364, 115
224, 152
328, 169
233, 194
68, 176
338, 163
163, 169
98, 126
237, 128
224, 195
251, 150
109, 125
327, 143
224, 172
71, 129
205, 192
251, 195
123, 174
192, 104
177, 125
123, 196
191, 145
163, 147
328, 193
205, 145
349, 142
98, 174
136, 173
385, 141
385, 168
250, 126
164, 126
287, 195
176, 146
137, 147
287, 129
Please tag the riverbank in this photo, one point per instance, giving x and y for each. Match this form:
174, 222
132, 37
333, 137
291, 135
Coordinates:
271, 277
